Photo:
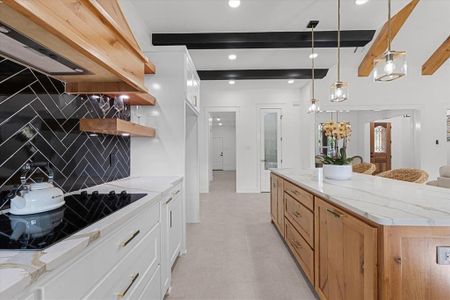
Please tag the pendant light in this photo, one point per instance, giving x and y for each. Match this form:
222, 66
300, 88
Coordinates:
339, 89
392, 64
314, 106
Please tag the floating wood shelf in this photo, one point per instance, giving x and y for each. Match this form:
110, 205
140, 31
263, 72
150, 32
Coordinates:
115, 127
111, 89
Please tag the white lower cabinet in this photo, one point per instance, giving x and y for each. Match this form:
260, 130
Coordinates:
132, 262
171, 222
174, 211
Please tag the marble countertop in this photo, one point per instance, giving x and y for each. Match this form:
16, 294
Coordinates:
21, 268
383, 201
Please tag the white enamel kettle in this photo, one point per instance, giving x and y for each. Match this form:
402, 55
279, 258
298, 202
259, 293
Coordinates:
36, 197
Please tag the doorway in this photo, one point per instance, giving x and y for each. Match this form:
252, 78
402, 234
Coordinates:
380, 146
270, 144
223, 150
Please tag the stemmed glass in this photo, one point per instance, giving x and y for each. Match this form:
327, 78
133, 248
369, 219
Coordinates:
118, 104
139, 113
126, 113
103, 103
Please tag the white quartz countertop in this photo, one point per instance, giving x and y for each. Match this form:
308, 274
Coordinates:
21, 268
383, 201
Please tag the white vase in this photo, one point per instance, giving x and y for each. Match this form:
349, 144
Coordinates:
338, 172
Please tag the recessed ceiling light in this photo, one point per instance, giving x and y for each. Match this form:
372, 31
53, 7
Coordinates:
231, 82
361, 2
156, 86
291, 81
125, 97
125, 134
218, 119
234, 3
313, 55
232, 57
220, 124
78, 70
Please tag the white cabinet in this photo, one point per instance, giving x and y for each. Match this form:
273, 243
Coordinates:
192, 84
122, 264
172, 224
174, 214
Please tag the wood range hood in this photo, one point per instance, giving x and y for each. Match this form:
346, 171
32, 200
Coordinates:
91, 37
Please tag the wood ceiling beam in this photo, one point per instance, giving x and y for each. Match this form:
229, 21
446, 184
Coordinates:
380, 44
437, 59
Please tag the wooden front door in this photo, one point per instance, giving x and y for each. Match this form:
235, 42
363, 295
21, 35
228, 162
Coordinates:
380, 146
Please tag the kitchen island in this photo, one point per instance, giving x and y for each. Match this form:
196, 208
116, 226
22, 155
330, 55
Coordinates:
365, 238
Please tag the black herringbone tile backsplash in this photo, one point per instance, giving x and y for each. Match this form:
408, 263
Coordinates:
39, 122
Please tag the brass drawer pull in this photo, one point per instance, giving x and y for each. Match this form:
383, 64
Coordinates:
335, 213
125, 243
133, 280
297, 214
176, 193
168, 200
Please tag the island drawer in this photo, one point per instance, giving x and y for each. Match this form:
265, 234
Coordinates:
92, 265
301, 218
301, 250
301, 195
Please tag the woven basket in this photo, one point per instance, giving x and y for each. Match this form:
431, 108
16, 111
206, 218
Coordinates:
410, 175
364, 168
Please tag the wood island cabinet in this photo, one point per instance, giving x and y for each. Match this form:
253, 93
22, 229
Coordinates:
348, 257
277, 202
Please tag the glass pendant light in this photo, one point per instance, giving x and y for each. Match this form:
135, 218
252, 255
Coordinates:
314, 107
339, 90
392, 64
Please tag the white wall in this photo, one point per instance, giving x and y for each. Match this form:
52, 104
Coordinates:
163, 155
228, 133
247, 99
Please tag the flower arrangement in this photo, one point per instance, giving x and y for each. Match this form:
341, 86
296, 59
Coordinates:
335, 133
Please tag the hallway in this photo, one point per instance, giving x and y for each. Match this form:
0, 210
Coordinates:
235, 252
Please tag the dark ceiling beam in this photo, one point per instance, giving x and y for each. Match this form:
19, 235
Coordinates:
247, 40
261, 74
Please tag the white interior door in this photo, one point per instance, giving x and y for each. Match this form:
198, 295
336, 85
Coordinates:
270, 146
217, 153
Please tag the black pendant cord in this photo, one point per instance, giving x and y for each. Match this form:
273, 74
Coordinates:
313, 63
339, 42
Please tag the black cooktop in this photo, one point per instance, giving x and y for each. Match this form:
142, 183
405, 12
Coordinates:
39, 231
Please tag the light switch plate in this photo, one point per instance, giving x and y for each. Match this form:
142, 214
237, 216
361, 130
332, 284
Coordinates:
443, 255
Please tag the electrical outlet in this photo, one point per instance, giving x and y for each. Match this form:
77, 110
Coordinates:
113, 158
443, 255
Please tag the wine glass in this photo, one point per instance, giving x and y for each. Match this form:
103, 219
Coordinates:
103, 102
126, 113
118, 104
139, 113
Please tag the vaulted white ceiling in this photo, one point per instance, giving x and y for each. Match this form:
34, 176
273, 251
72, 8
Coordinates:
193, 16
